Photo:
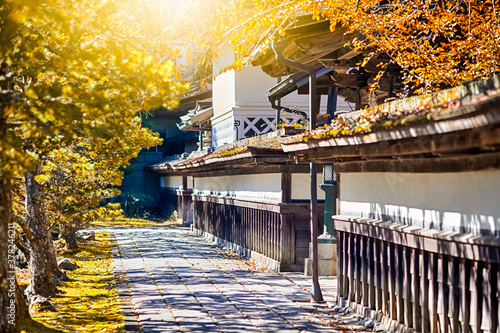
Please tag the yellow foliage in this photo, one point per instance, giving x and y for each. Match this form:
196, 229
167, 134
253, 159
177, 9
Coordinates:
88, 301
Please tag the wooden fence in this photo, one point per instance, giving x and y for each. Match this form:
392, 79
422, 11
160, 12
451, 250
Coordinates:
176, 200
276, 230
428, 280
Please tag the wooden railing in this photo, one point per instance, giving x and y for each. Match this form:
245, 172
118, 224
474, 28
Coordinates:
176, 199
255, 229
279, 231
428, 280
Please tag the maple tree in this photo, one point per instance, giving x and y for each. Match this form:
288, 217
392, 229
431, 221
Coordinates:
70, 72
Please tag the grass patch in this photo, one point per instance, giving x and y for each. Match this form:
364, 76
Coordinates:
88, 300
130, 223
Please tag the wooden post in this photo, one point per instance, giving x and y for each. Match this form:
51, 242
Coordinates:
287, 245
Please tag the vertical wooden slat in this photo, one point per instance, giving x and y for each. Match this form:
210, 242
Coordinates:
260, 229
346, 266
475, 293
357, 267
251, 220
433, 292
497, 296
370, 257
340, 266
453, 295
352, 261
392, 280
271, 234
399, 275
278, 236
424, 291
245, 227
384, 277
464, 313
442, 273
488, 313
415, 290
378, 274
407, 287
267, 221
364, 270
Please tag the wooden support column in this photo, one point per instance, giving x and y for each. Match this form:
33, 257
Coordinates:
287, 236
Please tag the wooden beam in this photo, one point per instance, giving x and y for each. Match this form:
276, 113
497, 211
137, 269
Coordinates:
462, 163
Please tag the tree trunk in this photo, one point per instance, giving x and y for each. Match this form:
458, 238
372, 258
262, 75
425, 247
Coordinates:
23, 247
23, 311
69, 235
43, 260
9, 319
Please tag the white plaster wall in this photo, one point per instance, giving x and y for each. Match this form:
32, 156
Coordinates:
223, 88
252, 86
171, 181
301, 188
190, 181
259, 187
223, 93
463, 202
223, 129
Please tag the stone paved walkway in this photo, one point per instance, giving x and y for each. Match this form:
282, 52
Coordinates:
180, 283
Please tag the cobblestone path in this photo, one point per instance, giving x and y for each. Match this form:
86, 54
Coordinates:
177, 282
